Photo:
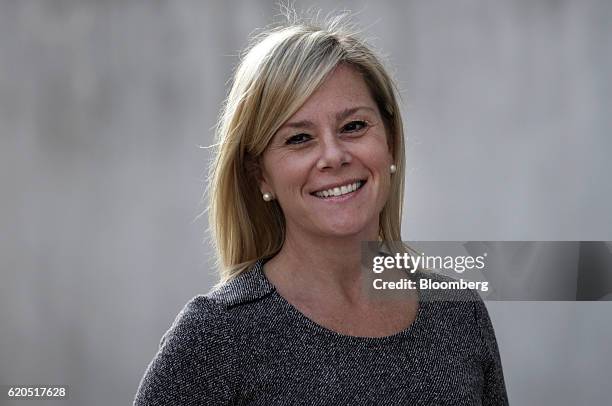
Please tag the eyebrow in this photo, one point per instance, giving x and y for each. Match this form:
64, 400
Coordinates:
341, 115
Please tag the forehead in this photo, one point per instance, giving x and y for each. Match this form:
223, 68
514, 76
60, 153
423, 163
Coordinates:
344, 88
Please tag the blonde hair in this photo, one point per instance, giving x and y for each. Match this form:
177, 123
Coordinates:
277, 73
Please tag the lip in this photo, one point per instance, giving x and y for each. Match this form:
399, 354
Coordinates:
338, 184
342, 198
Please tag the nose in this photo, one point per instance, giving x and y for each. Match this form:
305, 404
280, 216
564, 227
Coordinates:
333, 152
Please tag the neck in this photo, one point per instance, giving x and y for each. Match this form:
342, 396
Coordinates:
328, 266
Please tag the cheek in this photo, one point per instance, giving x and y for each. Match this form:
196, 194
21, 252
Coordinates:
286, 173
376, 154
378, 158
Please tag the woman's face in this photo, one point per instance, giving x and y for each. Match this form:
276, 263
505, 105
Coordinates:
328, 165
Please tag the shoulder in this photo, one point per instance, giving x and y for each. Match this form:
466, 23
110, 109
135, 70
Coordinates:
198, 356
198, 319
437, 287
208, 317
194, 362
472, 304
250, 286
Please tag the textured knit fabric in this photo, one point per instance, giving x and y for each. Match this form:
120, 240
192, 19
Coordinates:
244, 344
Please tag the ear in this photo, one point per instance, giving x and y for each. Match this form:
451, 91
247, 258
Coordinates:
256, 173
390, 137
391, 146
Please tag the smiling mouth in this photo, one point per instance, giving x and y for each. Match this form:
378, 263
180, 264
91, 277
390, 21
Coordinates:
340, 190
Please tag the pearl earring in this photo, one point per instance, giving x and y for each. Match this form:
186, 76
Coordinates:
267, 197
392, 168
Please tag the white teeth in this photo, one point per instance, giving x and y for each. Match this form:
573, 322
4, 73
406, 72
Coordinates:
339, 191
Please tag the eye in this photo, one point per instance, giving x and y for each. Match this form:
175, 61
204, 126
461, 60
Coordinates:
297, 139
355, 126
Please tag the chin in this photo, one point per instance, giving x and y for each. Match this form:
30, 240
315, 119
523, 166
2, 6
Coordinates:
343, 230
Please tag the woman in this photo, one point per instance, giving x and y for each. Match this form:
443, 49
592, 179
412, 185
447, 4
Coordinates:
310, 163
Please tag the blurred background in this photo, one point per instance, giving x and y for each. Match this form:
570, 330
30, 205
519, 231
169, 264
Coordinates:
104, 106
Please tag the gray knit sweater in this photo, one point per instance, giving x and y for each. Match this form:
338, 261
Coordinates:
245, 344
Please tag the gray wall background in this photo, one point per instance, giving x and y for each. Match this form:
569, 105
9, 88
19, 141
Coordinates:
103, 105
